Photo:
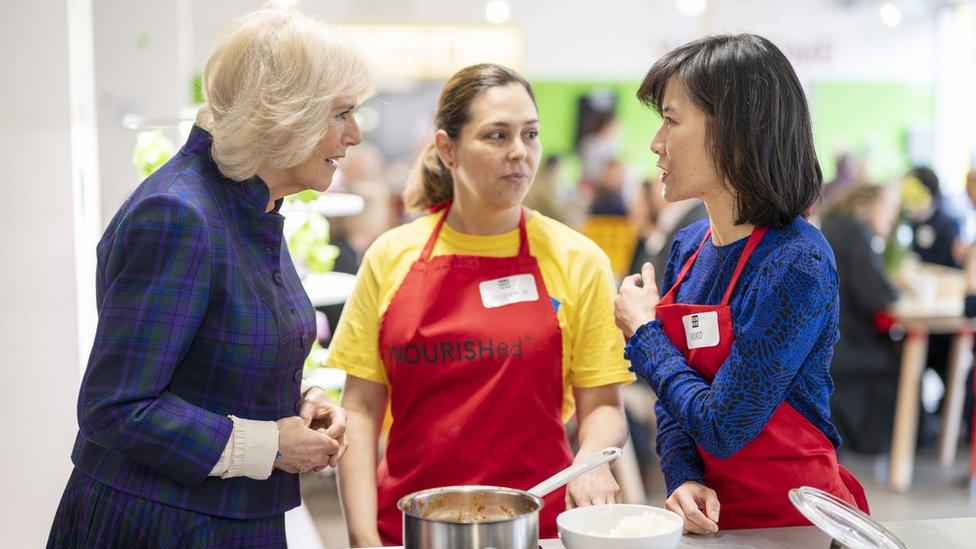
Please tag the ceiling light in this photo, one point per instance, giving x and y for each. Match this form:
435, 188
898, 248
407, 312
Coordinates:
691, 8
496, 11
890, 14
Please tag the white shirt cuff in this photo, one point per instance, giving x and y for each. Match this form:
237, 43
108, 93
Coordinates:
306, 385
250, 451
221, 467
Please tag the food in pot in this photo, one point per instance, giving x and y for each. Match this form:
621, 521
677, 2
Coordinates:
469, 506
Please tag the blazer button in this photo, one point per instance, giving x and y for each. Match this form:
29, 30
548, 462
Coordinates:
298, 375
304, 340
278, 278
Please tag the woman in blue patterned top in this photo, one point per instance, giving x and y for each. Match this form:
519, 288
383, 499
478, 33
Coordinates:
193, 423
738, 347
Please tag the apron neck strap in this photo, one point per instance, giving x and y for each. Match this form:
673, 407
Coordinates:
446, 207
523, 235
754, 239
688, 264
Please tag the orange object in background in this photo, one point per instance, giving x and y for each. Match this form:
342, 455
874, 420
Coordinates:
616, 236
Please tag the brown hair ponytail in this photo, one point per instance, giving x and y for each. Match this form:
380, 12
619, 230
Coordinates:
430, 181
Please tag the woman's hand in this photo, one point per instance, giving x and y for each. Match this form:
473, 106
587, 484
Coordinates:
635, 303
303, 449
594, 487
690, 500
326, 417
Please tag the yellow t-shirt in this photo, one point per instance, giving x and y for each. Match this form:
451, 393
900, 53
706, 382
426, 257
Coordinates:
576, 273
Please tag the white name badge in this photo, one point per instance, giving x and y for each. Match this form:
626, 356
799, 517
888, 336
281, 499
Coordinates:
701, 329
508, 290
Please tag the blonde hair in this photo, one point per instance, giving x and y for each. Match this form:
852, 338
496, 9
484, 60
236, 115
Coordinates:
269, 85
430, 181
859, 200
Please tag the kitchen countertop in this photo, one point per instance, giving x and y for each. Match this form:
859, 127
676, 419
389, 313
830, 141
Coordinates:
917, 534
921, 534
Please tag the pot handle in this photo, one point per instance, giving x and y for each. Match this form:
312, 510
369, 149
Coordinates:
562, 477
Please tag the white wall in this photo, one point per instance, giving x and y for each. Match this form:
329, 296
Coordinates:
136, 64
39, 327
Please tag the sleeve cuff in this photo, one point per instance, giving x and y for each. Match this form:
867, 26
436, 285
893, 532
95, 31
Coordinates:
673, 483
652, 355
306, 385
638, 341
255, 447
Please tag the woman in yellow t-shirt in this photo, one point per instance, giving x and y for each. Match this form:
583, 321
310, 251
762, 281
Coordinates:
483, 324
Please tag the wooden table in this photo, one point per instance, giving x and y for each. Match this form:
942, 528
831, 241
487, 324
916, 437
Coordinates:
920, 319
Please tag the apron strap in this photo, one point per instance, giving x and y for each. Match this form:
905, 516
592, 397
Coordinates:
523, 236
446, 206
429, 247
754, 239
687, 266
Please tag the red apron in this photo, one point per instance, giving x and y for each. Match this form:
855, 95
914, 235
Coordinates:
473, 351
790, 452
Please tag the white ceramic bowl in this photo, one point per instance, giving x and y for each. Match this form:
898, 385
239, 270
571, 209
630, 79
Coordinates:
589, 528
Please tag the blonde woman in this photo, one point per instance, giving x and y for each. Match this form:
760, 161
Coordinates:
193, 424
484, 324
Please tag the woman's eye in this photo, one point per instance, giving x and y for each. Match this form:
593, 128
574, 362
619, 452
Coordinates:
496, 135
532, 134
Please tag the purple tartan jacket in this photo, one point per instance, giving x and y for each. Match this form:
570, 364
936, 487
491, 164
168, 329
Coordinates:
201, 315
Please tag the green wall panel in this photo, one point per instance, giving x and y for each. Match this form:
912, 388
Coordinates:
558, 101
869, 117
861, 117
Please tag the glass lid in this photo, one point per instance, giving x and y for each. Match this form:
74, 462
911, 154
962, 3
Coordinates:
843, 522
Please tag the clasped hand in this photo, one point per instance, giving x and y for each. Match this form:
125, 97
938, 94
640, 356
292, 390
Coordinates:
314, 439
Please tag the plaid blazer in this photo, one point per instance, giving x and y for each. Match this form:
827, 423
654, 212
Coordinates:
201, 315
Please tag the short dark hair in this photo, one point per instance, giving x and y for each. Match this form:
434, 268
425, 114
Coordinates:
758, 129
928, 178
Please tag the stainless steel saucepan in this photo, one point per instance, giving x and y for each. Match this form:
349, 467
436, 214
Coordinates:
483, 517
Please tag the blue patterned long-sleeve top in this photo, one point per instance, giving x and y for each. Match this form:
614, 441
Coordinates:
784, 316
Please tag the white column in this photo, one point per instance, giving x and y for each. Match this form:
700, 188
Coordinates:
50, 190
138, 55
955, 123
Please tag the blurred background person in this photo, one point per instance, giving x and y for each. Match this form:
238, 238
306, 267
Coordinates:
937, 233
865, 364
936, 240
544, 194
361, 174
969, 309
848, 171
598, 145
608, 199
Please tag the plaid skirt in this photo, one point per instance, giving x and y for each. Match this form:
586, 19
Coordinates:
92, 514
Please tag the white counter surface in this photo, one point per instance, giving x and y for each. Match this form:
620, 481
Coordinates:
917, 534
